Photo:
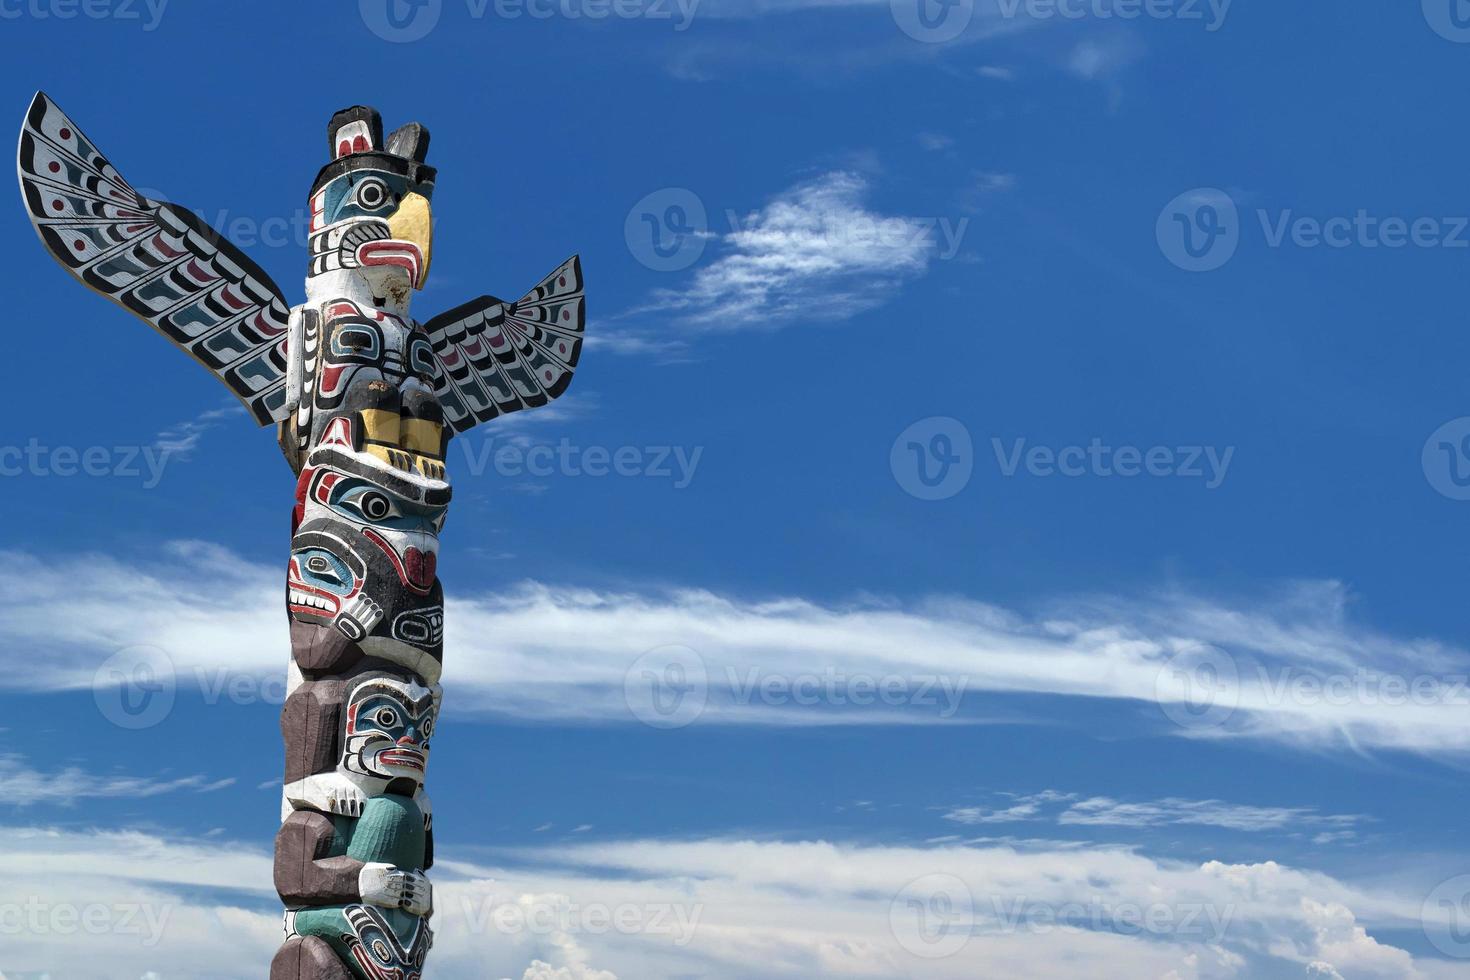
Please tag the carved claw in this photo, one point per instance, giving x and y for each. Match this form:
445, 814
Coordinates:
358, 617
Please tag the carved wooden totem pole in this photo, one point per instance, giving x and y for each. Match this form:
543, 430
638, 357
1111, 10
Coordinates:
365, 399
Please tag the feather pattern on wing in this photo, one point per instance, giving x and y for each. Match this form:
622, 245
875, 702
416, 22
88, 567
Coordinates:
156, 260
497, 357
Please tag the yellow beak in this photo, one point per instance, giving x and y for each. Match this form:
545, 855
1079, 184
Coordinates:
414, 222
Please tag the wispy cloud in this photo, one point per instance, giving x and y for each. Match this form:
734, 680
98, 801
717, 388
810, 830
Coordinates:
25, 786
816, 252
183, 439
1102, 811
1294, 668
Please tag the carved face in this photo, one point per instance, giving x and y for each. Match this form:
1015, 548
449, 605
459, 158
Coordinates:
374, 216
365, 555
388, 724
377, 949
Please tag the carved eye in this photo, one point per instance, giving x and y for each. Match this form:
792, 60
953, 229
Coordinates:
428, 728
355, 339
386, 717
380, 950
375, 505
372, 193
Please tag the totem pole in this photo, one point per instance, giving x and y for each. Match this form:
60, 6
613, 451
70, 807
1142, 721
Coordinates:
364, 399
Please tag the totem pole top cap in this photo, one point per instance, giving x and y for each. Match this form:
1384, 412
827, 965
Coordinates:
355, 140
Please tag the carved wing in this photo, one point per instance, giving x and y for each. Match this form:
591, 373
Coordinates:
497, 357
155, 260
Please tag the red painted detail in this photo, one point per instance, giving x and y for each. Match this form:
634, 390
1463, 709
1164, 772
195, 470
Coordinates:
65, 133
359, 144
405, 255
55, 167
79, 245
56, 205
344, 148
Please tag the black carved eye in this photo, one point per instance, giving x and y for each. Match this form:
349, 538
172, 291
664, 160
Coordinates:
387, 717
372, 193
375, 506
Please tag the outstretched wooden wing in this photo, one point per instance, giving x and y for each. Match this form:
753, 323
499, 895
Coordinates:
156, 260
497, 357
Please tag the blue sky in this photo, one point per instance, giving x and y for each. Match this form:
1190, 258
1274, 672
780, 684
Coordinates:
1222, 250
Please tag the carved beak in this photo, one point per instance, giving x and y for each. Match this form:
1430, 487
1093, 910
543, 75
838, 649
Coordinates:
413, 222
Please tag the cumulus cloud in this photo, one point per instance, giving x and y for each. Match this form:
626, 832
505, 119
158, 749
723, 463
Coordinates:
727, 909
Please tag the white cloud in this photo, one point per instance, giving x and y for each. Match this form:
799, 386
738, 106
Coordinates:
25, 786
184, 438
547, 652
717, 908
816, 252
1102, 811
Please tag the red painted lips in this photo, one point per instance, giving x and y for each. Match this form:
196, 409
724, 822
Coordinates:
420, 568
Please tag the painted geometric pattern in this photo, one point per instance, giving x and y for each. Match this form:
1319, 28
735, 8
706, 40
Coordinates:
156, 260
499, 357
